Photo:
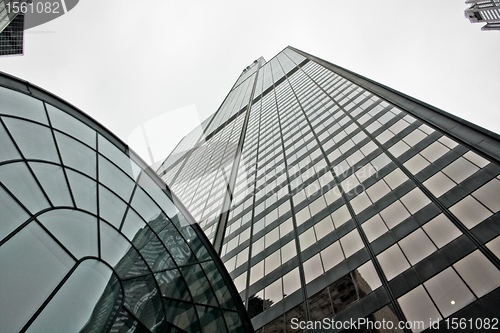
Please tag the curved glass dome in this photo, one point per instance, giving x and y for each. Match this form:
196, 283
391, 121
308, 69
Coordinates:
90, 238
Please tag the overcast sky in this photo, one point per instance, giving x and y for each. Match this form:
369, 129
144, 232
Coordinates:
130, 63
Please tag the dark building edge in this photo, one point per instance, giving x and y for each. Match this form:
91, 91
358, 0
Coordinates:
467, 133
14, 83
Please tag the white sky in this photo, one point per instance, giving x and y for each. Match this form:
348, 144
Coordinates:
129, 63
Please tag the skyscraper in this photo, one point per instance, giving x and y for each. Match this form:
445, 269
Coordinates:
91, 239
484, 11
329, 195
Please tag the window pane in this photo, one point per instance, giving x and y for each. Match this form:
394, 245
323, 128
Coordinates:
77, 231
394, 214
441, 230
460, 169
416, 246
8, 151
367, 276
313, 268
416, 164
32, 266
18, 179
489, 195
417, 306
479, 273
84, 190
470, 212
449, 292
434, 151
415, 200
439, 184
21, 105
378, 190
351, 243
274, 292
291, 282
54, 183
115, 179
69, 124
12, 214
34, 141
76, 155
374, 228
111, 208
393, 262
395, 178
86, 284
332, 255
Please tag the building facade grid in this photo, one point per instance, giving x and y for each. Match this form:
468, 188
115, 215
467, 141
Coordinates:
348, 205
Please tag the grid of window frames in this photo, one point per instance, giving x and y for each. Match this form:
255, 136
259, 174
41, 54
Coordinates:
84, 221
346, 205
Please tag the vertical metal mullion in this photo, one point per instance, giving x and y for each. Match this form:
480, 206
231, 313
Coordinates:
385, 283
98, 213
292, 210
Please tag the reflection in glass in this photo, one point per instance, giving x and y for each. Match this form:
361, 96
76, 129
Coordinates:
417, 306
449, 292
64, 314
479, 273
34, 258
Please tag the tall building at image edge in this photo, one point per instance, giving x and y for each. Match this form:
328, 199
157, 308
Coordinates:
485, 11
329, 195
91, 239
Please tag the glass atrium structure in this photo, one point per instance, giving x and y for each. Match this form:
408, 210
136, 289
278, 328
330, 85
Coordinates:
329, 195
91, 239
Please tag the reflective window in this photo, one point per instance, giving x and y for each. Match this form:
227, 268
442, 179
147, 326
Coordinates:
378, 190
415, 200
351, 243
367, 274
394, 214
332, 255
441, 230
395, 178
7, 149
434, 151
439, 184
323, 227
479, 273
470, 212
360, 202
374, 228
313, 268
417, 306
393, 262
340, 216
86, 284
449, 292
416, 164
40, 254
489, 195
460, 169
476, 159
416, 246
399, 148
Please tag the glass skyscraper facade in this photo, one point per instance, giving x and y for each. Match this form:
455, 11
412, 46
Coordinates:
329, 195
91, 239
